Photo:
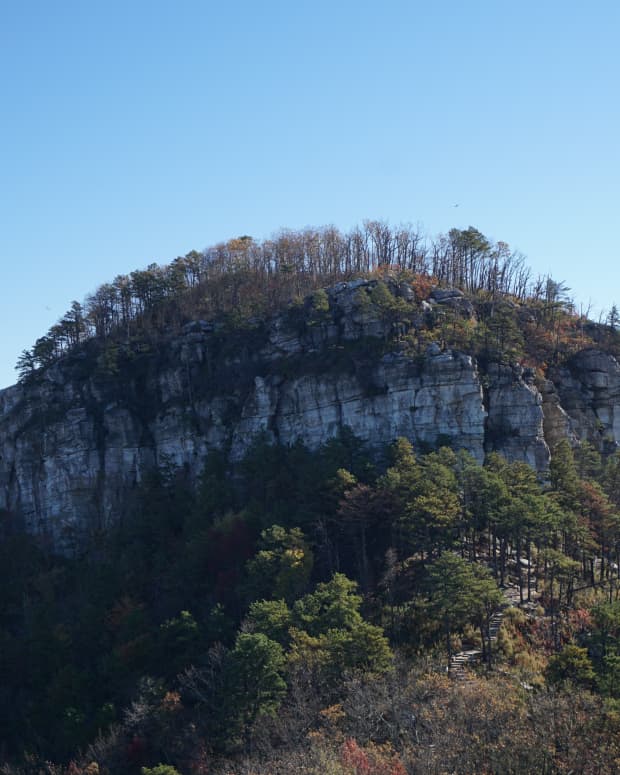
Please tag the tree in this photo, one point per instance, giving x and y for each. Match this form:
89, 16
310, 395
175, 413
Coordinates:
608, 675
611, 477
256, 687
282, 566
329, 635
571, 664
484, 496
319, 312
44, 350
564, 570
489, 599
459, 594
432, 506
587, 461
74, 324
178, 643
563, 472
391, 308
25, 366
601, 523
271, 617
358, 515
363, 647
334, 605
605, 647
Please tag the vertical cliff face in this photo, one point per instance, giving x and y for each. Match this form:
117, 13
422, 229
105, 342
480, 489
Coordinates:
441, 400
74, 442
589, 390
515, 426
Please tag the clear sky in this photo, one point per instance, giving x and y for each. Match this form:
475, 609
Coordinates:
134, 131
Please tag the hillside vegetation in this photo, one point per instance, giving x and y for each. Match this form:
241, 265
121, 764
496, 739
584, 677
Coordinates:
241, 281
302, 616
304, 611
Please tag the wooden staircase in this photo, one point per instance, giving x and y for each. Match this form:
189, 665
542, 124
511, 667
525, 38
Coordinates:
462, 660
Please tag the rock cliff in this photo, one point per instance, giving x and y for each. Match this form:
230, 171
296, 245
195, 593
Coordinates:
75, 440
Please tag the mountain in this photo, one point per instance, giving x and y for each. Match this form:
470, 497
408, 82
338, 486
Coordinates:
330, 502
380, 356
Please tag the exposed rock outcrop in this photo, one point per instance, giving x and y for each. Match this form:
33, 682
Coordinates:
439, 401
589, 391
77, 439
515, 424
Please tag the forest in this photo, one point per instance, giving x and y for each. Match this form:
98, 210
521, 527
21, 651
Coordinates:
312, 611
303, 616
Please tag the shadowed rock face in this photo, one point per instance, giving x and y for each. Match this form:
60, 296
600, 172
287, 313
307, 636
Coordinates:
589, 390
75, 442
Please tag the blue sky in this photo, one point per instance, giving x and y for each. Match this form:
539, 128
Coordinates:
134, 132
